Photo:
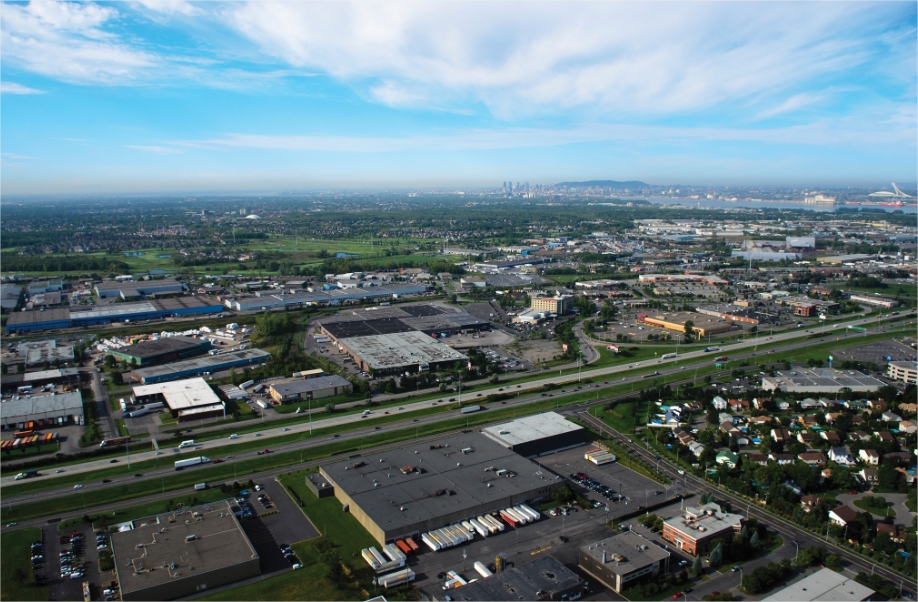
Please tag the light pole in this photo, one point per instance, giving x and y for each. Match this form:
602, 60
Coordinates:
579, 365
798, 549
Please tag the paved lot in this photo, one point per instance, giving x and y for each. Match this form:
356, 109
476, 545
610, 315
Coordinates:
289, 525
262, 538
876, 352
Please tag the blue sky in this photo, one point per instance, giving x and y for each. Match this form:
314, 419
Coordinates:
176, 96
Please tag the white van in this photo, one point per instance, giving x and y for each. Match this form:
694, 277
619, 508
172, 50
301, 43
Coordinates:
184, 444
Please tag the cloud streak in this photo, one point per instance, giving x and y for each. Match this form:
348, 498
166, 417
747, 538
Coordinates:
156, 150
13, 88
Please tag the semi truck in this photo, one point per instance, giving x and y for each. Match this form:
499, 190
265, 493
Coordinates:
185, 444
114, 441
470, 409
180, 464
27, 475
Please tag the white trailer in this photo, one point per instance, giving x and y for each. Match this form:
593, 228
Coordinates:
394, 554
535, 513
370, 558
482, 570
433, 545
447, 537
468, 526
524, 512
137, 413
493, 526
380, 559
397, 578
179, 464
482, 530
519, 518
455, 576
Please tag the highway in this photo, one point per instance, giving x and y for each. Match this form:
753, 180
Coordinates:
528, 392
790, 531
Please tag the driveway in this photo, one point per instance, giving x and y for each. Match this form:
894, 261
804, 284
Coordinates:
289, 525
903, 515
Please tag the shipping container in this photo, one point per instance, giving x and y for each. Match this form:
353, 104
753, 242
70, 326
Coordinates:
411, 544
403, 547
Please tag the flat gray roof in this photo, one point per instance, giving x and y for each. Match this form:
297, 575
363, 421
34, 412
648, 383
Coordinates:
182, 394
530, 428
115, 309
208, 363
396, 500
626, 552
153, 348
36, 317
401, 349
36, 352
542, 579
821, 379
68, 403
824, 584
9, 295
298, 387
219, 542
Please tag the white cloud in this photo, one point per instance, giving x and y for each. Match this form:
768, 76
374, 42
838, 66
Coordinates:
156, 150
66, 40
171, 7
14, 156
795, 102
531, 57
13, 88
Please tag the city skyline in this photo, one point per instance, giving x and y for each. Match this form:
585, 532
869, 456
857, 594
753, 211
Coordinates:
219, 97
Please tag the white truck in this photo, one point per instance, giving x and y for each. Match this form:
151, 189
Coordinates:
180, 464
186, 444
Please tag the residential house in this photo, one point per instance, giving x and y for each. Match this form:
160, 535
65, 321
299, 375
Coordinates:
719, 403
891, 417
908, 408
808, 421
831, 417
825, 402
761, 420
870, 476
694, 406
830, 436
727, 457
727, 427
808, 404
781, 459
879, 404
860, 436
781, 436
813, 458
842, 515
908, 473
855, 404
725, 417
761, 403
808, 502
739, 405
755, 458
840, 455
869, 456
784, 406
806, 437
696, 448
886, 436
857, 420
685, 438
907, 426
895, 533
900, 456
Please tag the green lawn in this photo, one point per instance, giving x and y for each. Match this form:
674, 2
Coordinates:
16, 581
30, 452
309, 583
876, 510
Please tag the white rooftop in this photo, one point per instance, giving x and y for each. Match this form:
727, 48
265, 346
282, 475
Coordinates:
824, 584
181, 394
530, 428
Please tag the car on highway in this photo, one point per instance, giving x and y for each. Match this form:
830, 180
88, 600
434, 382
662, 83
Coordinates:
77, 486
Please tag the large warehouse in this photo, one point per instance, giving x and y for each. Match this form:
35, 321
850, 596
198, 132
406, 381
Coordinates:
399, 352
537, 435
31, 321
821, 380
198, 366
426, 486
332, 297
165, 349
190, 399
702, 325
42, 411
310, 388
34, 353
135, 288
183, 553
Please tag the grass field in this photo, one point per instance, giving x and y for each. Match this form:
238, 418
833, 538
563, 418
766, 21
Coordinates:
876, 510
15, 553
342, 531
31, 451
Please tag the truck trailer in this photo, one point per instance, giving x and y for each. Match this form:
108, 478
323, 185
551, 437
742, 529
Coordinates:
180, 464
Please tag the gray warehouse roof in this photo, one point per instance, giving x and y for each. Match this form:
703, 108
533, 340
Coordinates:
156, 347
530, 428
824, 584
298, 387
400, 349
626, 552
394, 499
820, 380
145, 553
209, 363
542, 579
69, 403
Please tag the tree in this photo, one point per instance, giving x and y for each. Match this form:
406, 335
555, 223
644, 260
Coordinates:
716, 557
697, 567
689, 329
755, 542
117, 378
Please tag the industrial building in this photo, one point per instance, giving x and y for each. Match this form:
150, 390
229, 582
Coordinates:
182, 553
430, 319
420, 487
545, 578
399, 352
34, 353
128, 289
618, 560
821, 380
199, 366
39, 411
824, 584
702, 325
56, 376
190, 399
877, 301
31, 321
157, 351
692, 531
560, 305
310, 388
734, 313
906, 372
682, 278
9, 297
330, 297
537, 435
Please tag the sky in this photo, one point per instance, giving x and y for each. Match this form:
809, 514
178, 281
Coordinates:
154, 96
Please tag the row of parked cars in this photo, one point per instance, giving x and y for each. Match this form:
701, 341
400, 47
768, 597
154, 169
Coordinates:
594, 485
71, 558
38, 561
291, 556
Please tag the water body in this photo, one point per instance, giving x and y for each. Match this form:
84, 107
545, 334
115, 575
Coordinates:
712, 204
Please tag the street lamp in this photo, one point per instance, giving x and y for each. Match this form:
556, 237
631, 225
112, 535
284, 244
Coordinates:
798, 550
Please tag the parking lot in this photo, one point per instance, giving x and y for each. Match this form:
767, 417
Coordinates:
876, 353
84, 558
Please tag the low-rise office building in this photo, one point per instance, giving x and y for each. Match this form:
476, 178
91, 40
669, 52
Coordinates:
702, 324
697, 526
190, 399
619, 560
182, 553
310, 388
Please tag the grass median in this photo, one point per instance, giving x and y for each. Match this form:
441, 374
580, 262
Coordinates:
16, 579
